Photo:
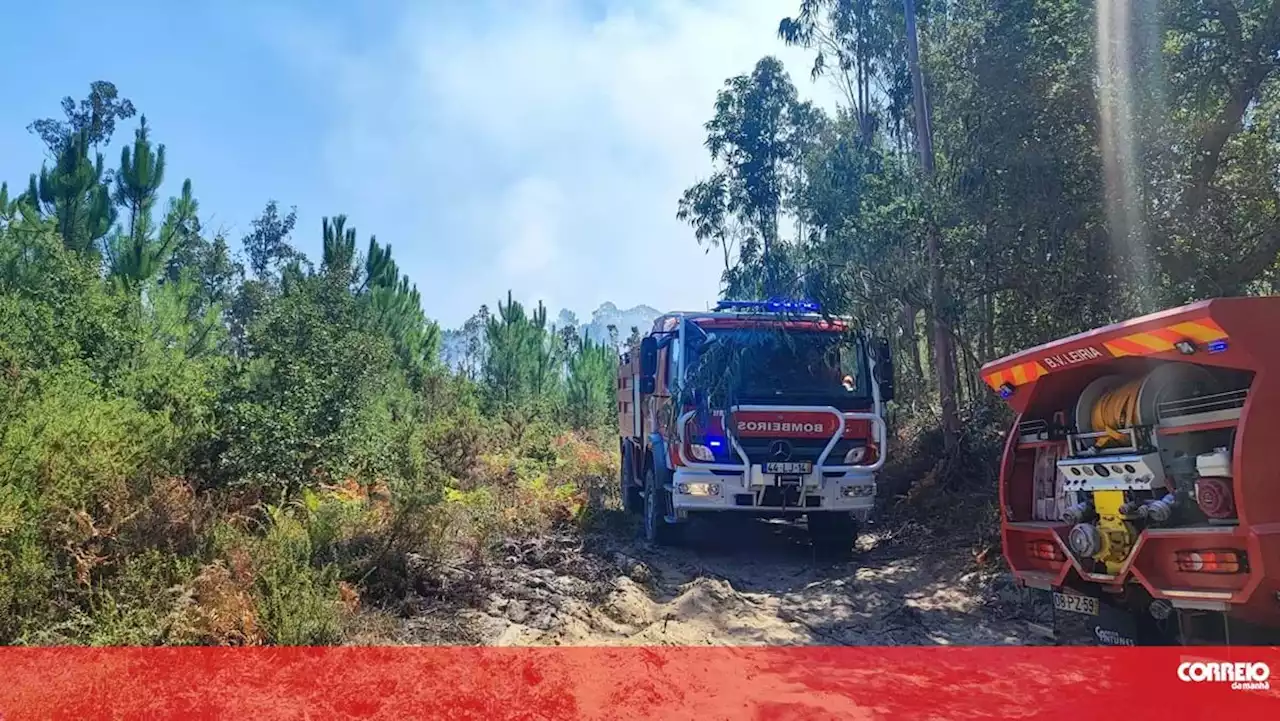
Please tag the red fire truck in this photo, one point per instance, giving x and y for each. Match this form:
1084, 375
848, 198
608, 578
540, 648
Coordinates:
1134, 487
762, 407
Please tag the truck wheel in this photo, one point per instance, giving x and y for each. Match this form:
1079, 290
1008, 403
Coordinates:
632, 496
832, 533
657, 504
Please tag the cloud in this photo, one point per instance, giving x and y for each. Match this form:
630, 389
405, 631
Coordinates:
539, 145
533, 209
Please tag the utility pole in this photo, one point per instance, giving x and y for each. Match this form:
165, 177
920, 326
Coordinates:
942, 354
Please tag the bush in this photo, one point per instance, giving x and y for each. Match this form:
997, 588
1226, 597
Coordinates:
308, 405
189, 457
297, 603
74, 465
516, 493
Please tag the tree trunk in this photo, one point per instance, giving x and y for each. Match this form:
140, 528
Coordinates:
942, 349
911, 349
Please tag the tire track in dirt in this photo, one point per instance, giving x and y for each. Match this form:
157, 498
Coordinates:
738, 582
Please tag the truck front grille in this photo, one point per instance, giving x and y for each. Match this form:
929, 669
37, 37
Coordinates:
802, 449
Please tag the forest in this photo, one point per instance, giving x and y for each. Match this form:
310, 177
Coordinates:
198, 446
212, 440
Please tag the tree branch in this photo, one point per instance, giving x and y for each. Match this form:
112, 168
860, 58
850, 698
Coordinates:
1258, 62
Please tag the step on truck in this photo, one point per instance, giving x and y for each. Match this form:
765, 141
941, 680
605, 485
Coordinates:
1134, 484
759, 407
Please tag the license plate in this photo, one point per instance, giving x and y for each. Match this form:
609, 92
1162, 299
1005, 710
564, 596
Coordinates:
1075, 603
791, 467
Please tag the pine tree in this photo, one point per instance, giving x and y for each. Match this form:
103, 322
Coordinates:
74, 195
339, 250
589, 384
138, 253
138, 182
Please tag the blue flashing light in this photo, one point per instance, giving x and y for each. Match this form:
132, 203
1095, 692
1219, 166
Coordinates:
715, 444
1217, 346
1006, 391
773, 305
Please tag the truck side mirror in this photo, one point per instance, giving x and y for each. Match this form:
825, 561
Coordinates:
884, 367
648, 364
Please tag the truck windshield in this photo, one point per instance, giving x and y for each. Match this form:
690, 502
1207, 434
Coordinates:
768, 362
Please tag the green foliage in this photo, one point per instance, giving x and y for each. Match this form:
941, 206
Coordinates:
521, 354
590, 384
397, 311
95, 118
302, 406
138, 180
1090, 166
54, 310
267, 246
298, 602
74, 461
190, 455
137, 253
758, 135
176, 367
339, 247
75, 194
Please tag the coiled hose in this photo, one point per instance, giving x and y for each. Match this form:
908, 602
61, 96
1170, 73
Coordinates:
1116, 409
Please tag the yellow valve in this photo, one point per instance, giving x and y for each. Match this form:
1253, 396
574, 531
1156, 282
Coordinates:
1116, 535
1116, 409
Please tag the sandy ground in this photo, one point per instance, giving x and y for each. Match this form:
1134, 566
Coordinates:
732, 582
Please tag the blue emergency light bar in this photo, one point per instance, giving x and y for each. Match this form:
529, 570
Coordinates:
774, 305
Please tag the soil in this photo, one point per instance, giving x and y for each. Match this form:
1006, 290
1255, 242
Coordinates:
733, 581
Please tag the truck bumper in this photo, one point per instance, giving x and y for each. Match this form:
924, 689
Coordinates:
756, 492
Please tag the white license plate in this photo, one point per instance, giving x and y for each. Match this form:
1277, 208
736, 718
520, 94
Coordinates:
792, 467
1076, 603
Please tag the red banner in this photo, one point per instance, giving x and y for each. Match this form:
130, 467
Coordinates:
639, 683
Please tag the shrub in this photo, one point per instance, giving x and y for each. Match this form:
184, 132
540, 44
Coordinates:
218, 608
304, 407
74, 464
173, 472
297, 603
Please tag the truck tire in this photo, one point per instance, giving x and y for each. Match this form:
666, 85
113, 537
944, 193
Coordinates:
657, 504
632, 495
832, 533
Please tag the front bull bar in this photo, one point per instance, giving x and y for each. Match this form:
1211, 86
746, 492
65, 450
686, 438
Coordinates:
879, 432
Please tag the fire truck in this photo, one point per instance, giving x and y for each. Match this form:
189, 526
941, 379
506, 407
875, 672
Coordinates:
761, 407
1133, 485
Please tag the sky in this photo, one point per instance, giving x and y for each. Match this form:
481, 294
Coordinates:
532, 145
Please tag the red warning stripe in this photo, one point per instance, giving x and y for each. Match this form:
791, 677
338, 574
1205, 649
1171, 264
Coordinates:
1163, 340
1146, 343
1020, 374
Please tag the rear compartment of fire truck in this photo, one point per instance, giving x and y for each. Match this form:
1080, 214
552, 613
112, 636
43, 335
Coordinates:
1120, 500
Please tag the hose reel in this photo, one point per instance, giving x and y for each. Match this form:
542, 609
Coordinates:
1113, 453
1115, 403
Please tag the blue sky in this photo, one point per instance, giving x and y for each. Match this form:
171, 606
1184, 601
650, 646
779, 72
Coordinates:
537, 145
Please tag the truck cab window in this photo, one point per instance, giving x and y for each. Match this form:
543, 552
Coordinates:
673, 364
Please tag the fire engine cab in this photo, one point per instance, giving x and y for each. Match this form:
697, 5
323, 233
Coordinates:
763, 407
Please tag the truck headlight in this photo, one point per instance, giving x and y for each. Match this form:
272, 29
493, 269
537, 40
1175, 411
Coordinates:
861, 491
699, 489
855, 455
701, 452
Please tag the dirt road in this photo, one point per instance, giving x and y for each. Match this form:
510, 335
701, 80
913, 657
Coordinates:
733, 582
